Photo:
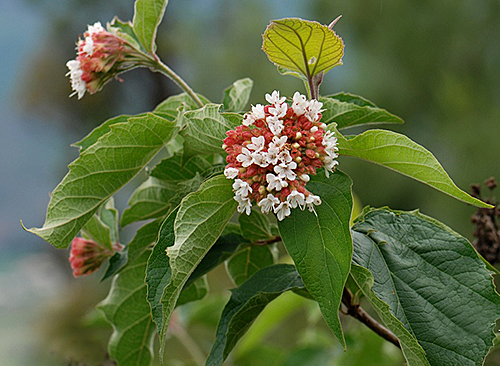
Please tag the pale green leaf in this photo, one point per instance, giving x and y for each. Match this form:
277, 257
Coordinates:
109, 216
99, 131
125, 30
350, 110
246, 303
126, 307
99, 172
237, 95
302, 46
147, 17
200, 221
397, 152
205, 128
171, 105
247, 261
321, 245
97, 231
433, 281
255, 226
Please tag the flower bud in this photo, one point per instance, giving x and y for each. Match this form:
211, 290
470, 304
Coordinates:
86, 256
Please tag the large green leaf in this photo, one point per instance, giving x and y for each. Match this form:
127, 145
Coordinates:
147, 17
246, 303
205, 128
247, 261
97, 132
255, 226
302, 46
321, 246
100, 171
350, 110
399, 153
237, 95
433, 281
171, 105
200, 221
413, 352
179, 168
197, 290
126, 308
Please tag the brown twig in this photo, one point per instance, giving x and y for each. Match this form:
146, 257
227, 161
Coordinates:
355, 310
273, 240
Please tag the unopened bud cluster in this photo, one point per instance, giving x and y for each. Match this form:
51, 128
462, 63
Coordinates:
87, 256
101, 55
274, 152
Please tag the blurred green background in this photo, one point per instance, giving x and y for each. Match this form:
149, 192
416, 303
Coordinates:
433, 63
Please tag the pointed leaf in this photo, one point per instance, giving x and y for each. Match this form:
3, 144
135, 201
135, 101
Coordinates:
246, 303
255, 226
206, 128
321, 244
350, 110
302, 46
99, 131
433, 281
171, 105
201, 219
243, 264
97, 231
99, 172
237, 95
397, 152
147, 17
126, 307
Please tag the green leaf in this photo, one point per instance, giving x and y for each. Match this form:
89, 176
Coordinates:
321, 245
434, 282
150, 200
171, 105
99, 131
243, 264
201, 219
255, 226
97, 231
99, 172
302, 46
413, 352
147, 17
350, 110
206, 128
179, 168
246, 303
126, 31
194, 292
397, 152
126, 307
109, 216
237, 95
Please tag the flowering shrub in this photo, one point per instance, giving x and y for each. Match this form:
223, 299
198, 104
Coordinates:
431, 291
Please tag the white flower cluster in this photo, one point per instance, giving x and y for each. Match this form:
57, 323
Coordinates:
75, 73
88, 47
331, 149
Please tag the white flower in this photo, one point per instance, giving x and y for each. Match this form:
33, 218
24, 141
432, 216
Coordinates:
275, 124
305, 178
312, 113
284, 156
77, 84
314, 129
88, 48
312, 200
258, 111
279, 111
244, 204
257, 143
242, 188
299, 104
245, 158
286, 170
295, 198
96, 28
278, 142
260, 159
272, 155
248, 120
282, 211
268, 203
329, 165
274, 98
231, 173
275, 182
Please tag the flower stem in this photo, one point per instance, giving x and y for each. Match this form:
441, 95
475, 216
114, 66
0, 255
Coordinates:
168, 72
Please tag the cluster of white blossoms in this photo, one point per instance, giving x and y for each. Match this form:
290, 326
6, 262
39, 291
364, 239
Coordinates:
273, 153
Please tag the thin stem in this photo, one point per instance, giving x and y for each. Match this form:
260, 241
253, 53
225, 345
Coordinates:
168, 72
357, 312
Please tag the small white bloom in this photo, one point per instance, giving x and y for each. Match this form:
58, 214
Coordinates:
282, 210
284, 156
231, 173
330, 163
312, 200
274, 98
96, 28
299, 104
258, 111
314, 129
275, 182
272, 155
242, 188
88, 48
77, 84
286, 170
268, 203
322, 126
278, 142
279, 111
244, 204
260, 159
257, 143
275, 125
312, 113
295, 198
305, 178
248, 120
245, 158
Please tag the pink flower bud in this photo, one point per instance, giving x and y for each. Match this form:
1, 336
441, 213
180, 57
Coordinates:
86, 255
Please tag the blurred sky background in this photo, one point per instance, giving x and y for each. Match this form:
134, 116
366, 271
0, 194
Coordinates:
433, 63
